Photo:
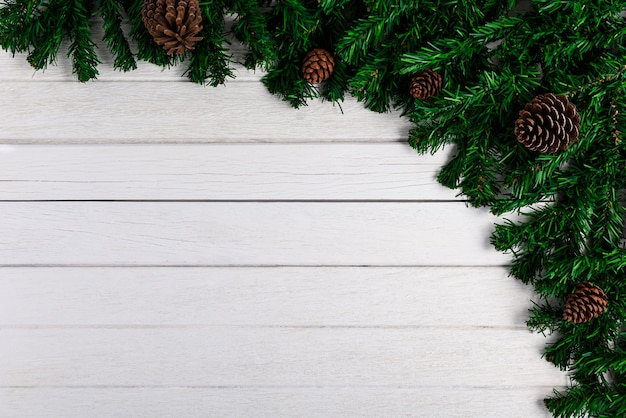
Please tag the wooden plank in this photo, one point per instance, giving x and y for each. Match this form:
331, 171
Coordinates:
334, 171
155, 112
276, 356
344, 402
246, 233
277, 296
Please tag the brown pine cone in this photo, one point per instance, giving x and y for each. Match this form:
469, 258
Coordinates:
318, 65
174, 24
548, 124
586, 303
425, 84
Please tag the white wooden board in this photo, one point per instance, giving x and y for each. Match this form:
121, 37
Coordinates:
155, 112
246, 233
330, 171
318, 402
385, 297
274, 356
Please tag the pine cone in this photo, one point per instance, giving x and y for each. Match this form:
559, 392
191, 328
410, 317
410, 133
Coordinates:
318, 65
548, 123
586, 303
174, 24
425, 84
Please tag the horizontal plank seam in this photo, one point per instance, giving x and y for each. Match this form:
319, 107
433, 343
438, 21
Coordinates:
234, 200
111, 80
304, 387
198, 141
47, 265
290, 144
247, 266
36, 327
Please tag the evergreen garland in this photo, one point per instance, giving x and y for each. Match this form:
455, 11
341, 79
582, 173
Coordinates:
494, 57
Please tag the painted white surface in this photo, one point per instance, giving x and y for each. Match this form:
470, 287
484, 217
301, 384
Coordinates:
323, 402
171, 250
246, 233
262, 296
159, 112
319, 171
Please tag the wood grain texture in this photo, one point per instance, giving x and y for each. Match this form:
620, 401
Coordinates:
478, 297
155, 112
228, 356
246, 233
332, 171
307, 402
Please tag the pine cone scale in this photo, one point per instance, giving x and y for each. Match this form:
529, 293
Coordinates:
173, 24
318, 65
425, 84
586, 303
548, 124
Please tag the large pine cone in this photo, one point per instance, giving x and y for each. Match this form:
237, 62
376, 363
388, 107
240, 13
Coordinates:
586, 303
548, 124
174, 24
318, 65
425, 84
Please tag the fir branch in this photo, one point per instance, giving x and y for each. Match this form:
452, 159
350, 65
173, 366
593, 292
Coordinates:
251, 28
36, 27
114, 36
334, 88
298, 28
210, 60
286, 80
374, 83
82, 47
49, 33
147, 49
589, 400
18, 19
366, 35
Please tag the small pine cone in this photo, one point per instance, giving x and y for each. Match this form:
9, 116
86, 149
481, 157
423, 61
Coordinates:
318, 65
548, 124
586, 303
425, 84
174, 24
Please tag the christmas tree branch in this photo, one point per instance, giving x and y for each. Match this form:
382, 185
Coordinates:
111, 11
82, 48
251, 28
210, 61
147, 49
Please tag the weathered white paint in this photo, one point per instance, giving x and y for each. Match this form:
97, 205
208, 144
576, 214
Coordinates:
307, 402
246, 233
264, 296
245, 185
270, 356
157, 112
330, 171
